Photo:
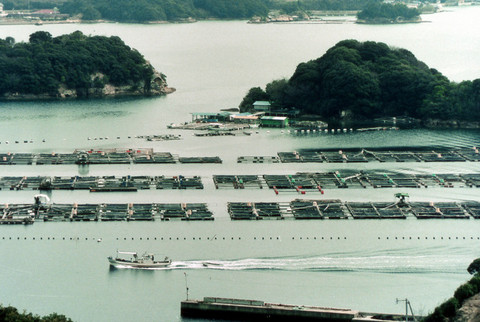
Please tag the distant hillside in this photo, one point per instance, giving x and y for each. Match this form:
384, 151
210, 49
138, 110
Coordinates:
164, 10
375, 12
74, 65
355, 80
179, 10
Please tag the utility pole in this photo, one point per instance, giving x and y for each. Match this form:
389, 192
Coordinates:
186, 283
407, 305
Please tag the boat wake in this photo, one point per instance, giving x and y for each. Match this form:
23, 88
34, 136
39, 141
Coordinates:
383, 264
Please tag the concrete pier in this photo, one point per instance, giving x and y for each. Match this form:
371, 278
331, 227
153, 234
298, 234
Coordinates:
253, 310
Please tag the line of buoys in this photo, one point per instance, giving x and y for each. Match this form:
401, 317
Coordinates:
432, 238
97, 239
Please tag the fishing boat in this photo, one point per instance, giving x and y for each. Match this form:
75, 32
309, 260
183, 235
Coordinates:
133, 260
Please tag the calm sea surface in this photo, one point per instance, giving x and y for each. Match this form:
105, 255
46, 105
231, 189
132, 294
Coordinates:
364, 265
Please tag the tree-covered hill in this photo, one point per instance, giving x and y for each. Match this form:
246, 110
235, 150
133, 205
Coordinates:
75, 64
377, 12
175, 10
163, 10
365, 80
11, 314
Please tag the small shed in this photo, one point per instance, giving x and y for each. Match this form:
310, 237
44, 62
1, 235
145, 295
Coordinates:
263, 106
274, 121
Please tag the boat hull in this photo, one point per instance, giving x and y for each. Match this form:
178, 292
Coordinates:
118, 262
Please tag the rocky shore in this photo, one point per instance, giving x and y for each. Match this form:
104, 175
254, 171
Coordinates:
157, 87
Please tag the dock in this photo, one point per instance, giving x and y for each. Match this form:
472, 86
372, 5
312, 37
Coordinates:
254, 310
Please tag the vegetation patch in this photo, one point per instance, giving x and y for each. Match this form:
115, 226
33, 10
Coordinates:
74, 65
364, 80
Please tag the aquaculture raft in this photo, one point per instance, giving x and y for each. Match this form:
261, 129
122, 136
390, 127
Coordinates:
373, 155
101, 183
108, 156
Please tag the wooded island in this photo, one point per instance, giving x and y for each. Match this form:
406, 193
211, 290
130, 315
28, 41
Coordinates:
75, 65
365, 80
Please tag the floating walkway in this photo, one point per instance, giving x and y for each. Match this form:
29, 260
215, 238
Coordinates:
104, 212
101, 184
300, 182
320, 181
336, 209
299, 209
109, 156
364, 156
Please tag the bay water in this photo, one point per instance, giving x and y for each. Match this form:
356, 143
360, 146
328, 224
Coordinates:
364, 265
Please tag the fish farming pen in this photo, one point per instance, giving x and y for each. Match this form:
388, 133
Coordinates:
237, 181
318, 209
256, 210
363, 156
473, 209
258, 159
346, 179
101, 184
108, 156
300, 182
428, 210
471, 180
369, 210
200, 160
298, 209
16, 214
114, 212
184, 211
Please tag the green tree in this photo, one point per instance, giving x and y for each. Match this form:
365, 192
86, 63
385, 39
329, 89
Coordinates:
253, 95
474, 267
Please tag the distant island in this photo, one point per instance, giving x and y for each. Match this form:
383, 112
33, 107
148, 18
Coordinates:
154, 11
355, 81
75, 66
386, 13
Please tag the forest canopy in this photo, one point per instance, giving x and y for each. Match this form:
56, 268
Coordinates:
163, 10
174, 10
365, 80
75, 61
376, 11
